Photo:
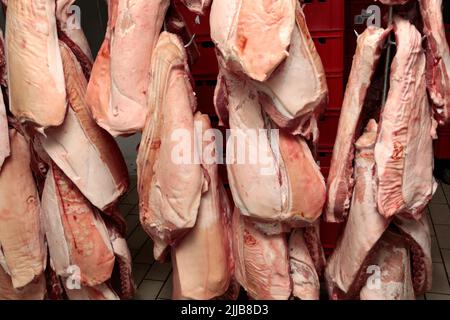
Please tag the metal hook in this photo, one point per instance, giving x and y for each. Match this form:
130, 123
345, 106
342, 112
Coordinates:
187, 45
356, 32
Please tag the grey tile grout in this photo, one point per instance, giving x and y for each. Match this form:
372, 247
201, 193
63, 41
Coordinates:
447, 272
165, 281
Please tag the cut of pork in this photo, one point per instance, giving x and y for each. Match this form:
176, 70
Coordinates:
438, 58
202, 261
404, 148
70, 23
34, 63
390, 274
35, 290
78, 240
340, 180
87, 154
170, 180
21, 236
100, 292
253, 36
261, 261
417, 236
271, 179
133, 28
347, 267
306, 285
296, 92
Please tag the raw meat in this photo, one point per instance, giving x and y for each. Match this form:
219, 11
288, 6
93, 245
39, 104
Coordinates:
100, 292
4, 136
209, 242
253, 36
340, 180
76, 234
197, 6
417, 236
391, 279
306, 285
261, 261
170, 178
125, 285
133, 29
282, 172
297, 91
347, 267
34, 63
21, 236
35, 290
404, 149
438, 58
87, 154
70, 24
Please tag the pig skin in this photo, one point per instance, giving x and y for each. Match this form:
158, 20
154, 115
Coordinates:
169, 192
76, 234
345, 270
253, 36
261, 261
438, 58
99, 292
21, 234
306, 285
209, 242
404, 148
296, 92
133, 29
34, 63
393, 259
71, 26
87, 154
282, 175
418, 238
340, 181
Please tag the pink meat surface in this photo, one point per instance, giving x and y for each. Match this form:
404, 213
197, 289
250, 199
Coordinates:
262, 262
170, 182
340, 181
404, 148
133, 30
21, 235
34, 63
438, 58
253, 36
202, 260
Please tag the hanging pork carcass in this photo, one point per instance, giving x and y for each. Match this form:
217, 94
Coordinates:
86, 153
170, 181
117, 91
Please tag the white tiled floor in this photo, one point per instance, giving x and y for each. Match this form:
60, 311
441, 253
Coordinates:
154, 280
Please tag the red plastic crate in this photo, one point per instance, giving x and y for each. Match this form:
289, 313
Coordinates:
336, 89
198, 25
324, 15
442, 145
330, 46
328, 126
329, 235
207, 63
204, 90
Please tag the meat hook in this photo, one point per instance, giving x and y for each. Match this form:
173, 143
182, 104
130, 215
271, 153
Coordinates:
187, 45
